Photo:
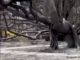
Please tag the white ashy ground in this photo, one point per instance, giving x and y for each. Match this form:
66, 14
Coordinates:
36, 50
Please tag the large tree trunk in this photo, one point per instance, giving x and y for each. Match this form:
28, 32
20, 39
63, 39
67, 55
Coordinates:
0, 31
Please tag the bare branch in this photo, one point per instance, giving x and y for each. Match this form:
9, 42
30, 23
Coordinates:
41, 18
15, 13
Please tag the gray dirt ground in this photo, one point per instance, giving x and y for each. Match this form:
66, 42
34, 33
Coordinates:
24, 49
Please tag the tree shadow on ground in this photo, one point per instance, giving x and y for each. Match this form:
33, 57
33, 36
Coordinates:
60, 50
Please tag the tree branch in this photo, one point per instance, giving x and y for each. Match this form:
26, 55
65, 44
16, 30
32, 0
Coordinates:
41, 18
21, 8
15, 13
